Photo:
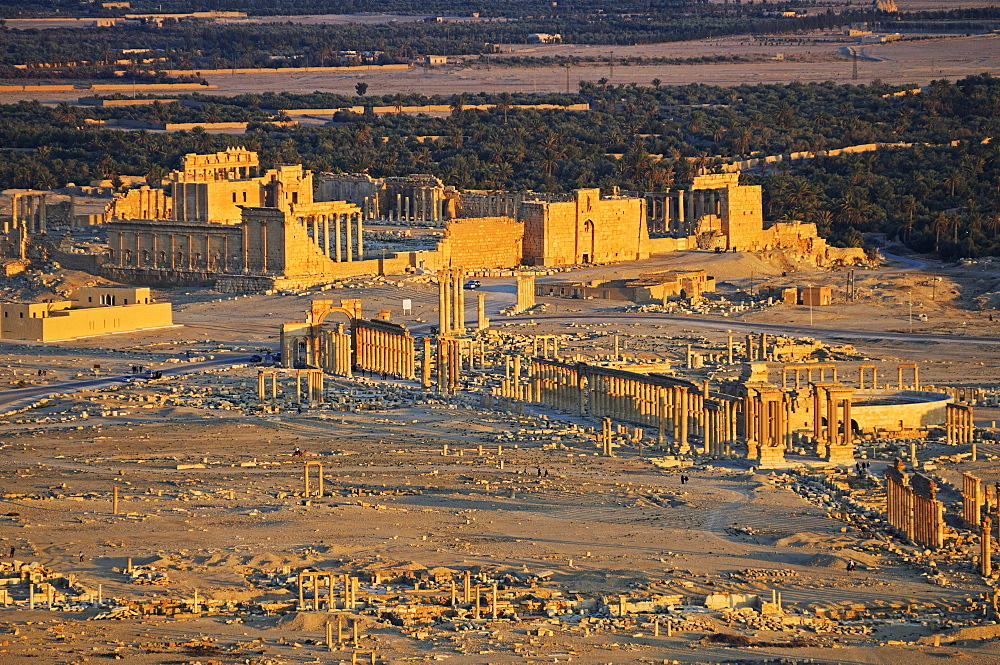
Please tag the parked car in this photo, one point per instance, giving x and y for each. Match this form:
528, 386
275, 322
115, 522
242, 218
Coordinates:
472, 284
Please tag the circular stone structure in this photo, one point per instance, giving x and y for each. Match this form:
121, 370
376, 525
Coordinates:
898, 409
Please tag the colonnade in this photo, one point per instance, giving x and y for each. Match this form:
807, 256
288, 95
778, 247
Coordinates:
678, 211
317, 579
419, 204
675, 408
384, 347
525, 299
540, 345
833, 430
262, 384
336, 352
810, 373
28, 210
912, 506
958, 424
449, 362
451, 301
720, 426
766, 425
972, 499
314, 385
512, 386
863, 371
268, 378
928, 512
347, 241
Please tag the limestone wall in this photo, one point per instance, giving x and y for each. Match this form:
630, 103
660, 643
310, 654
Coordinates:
893, 410
667, 245
482, 243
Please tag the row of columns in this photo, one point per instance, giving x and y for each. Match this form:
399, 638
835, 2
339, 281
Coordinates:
958, 424
27, 210
834, 437
972, 499
678, 211
806, 374
340, 248
449, 361
766, 425
383, 351
306, 489
540, 345
267, 385
675, 410
337, 351
525, 298
317, 579
720, 427
421, 204
451, 301
912, 506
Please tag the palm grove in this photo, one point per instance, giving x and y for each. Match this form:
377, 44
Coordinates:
938, 189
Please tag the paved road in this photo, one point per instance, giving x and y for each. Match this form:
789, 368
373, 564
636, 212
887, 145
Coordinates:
12, 399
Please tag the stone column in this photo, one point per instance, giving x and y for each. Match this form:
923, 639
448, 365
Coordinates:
350, 239
361, 238
482, 322
986, 547
459, 295
425, 367
338, 242
444, 300
683, 394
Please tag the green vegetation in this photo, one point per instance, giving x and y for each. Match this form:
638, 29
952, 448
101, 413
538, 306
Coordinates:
943, 192
189, 45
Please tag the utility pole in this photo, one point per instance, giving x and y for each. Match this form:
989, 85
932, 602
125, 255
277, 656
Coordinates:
611, 64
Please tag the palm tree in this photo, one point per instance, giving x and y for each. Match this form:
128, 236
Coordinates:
909, 206
993, 224
940, 223
457, 104
953, 181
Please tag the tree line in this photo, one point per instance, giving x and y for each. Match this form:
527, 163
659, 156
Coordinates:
943, 193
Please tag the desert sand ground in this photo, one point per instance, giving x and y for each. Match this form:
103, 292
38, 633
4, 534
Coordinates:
211, 495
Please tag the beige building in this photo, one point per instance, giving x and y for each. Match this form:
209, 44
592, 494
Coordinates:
588, 229
93, 311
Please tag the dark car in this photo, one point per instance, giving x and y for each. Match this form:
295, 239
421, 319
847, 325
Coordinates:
472, 284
